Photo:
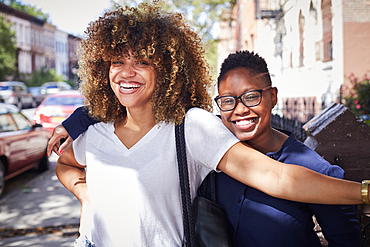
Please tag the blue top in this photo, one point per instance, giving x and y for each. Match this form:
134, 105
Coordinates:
261, 220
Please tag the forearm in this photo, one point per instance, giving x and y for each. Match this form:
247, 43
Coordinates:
74, 179
301, 184
285, 181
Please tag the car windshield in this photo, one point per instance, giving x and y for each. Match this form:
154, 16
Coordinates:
35, 90
52, 86
64, 101
2, 88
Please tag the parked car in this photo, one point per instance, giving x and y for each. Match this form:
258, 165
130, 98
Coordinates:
54, 87
16, 93
55, 108
37, 95
22, 145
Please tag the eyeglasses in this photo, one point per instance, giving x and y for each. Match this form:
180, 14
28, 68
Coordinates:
249, 98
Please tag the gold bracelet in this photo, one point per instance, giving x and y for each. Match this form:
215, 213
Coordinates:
365, 191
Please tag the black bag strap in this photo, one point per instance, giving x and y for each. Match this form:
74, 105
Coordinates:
189, 230
204, 186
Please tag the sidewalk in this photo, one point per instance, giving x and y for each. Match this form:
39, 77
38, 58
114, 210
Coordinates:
43, 213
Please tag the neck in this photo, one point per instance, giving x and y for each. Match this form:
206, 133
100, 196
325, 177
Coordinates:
139, 119
135, 126
271, 141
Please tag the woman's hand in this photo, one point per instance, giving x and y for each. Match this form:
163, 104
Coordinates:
59, 141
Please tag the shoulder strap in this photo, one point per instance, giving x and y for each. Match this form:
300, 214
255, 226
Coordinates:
211, 177
189, 231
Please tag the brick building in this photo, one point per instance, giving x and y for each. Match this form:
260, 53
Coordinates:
310, 47
40, 44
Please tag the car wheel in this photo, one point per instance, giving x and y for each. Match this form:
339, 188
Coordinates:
2, 178
44, 163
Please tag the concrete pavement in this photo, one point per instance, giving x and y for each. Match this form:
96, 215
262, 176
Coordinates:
42, 213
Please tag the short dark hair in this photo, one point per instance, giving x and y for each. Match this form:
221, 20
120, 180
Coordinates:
245, 59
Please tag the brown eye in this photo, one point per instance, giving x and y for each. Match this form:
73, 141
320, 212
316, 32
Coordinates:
116, 62
143, 63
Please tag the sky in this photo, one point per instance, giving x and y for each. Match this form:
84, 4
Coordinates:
71, 16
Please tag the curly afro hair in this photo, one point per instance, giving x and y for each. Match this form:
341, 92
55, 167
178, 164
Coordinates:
245, 59
183, 75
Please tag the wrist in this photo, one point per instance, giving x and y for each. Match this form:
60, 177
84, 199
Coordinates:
365, 191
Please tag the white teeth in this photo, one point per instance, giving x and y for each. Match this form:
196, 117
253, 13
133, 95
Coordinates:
245, 122
129, 86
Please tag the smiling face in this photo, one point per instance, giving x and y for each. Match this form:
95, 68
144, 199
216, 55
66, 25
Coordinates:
133, 82
247, 123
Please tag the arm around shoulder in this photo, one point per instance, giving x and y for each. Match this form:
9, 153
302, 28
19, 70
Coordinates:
285, 181
78, 122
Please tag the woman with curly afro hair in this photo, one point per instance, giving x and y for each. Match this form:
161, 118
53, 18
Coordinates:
140, 68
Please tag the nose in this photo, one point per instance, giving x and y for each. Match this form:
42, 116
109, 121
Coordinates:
240, 108
127, 69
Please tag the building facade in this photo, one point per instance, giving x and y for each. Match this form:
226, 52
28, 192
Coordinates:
49, 45
41, 45
310, 46
73, 44
61, 54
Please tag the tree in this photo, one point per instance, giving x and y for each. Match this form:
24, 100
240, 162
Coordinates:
29, 9
37, 78
204, 15
8, 49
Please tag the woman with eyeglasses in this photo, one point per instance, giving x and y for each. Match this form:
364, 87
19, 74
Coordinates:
245, 100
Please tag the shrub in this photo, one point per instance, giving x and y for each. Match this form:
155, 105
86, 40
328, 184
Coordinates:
356, 96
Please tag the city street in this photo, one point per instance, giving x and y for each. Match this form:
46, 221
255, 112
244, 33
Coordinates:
36, 210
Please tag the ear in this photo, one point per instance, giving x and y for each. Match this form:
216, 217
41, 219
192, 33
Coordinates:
274, 99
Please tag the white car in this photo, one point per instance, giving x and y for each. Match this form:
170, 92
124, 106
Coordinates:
16, 93
54, 87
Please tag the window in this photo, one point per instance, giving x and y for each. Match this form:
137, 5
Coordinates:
327, 30
7, 123
301, 40
22, 122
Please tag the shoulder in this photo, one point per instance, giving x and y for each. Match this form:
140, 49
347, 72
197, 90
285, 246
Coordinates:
202, 127
298, 153
198, 115
100, 128
196, 111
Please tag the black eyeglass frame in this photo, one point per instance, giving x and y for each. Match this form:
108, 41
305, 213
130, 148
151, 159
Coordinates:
240, 97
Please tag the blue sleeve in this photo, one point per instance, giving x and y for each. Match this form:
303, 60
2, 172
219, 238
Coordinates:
78, 122
339, 223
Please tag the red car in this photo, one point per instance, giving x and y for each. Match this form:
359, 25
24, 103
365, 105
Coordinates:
57, 107
22, 145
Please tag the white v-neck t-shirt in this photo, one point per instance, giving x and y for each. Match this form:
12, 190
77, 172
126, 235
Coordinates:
135, 193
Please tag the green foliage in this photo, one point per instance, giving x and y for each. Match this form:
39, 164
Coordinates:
203, 14
29, 9
8, 50
211, 56
37, 78
356, 95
